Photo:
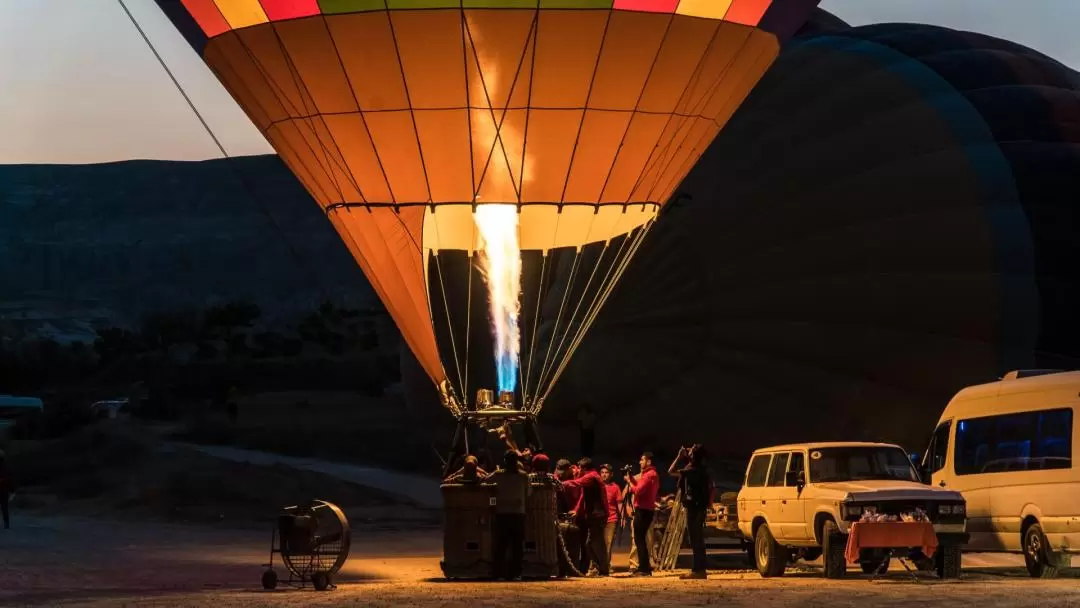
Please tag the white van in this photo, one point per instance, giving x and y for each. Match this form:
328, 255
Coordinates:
1008, 448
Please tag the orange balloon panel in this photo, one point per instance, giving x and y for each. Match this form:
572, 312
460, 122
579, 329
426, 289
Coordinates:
398, 121
551, 106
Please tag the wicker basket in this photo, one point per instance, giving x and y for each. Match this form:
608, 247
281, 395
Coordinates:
467, 530
468, 534
541, 542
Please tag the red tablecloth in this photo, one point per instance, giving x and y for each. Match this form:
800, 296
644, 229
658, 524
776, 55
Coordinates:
890, 535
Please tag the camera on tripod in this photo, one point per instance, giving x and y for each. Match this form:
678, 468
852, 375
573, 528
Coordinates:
627, 469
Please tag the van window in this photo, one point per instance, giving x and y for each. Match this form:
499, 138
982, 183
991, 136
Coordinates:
939, 448
758, 471
779, 467
1014, 442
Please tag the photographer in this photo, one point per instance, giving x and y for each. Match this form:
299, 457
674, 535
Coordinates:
696, 490
645, 487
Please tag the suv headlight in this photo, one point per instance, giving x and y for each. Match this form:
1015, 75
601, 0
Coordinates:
952, 509
852, 511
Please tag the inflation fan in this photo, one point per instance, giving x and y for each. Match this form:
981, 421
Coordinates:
313, 541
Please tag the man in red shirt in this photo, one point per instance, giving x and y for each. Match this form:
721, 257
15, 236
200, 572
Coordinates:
569, 496
592, 516
645, 488
567, 502
614, 503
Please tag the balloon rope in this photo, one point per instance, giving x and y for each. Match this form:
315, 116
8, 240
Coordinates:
536, 316
532, 336
577, 307
305, 269
449, 323
598, 305
468, 314
558, 318
603, 298
614, 264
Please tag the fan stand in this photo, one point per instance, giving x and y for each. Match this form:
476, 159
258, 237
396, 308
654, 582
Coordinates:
320, 581
303, 551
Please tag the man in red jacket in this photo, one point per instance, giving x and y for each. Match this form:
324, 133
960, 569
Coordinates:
614, 503
645, 488
567, 502
591, 515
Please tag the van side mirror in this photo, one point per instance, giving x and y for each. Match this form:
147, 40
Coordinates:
794, 479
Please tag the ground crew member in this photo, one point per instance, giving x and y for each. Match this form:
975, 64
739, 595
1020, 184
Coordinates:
591, 516
614, 502
695, 487
645, 488
512, 489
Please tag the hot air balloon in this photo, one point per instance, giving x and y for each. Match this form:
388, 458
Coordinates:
891, 216
492, 165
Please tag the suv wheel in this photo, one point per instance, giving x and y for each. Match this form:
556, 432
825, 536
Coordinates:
1040, 560
947, 561
833, 545
771, 557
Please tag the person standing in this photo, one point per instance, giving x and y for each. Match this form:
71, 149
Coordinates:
695, 488
645, 486
613, 494
6, 487
512, 489
591, 516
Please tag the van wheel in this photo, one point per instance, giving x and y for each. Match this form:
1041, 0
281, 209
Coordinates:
1040, 560
948, 561
771, 557
832, 543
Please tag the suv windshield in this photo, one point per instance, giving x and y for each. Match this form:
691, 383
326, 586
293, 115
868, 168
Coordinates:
860, 463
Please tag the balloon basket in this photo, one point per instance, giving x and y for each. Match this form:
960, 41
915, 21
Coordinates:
469, 533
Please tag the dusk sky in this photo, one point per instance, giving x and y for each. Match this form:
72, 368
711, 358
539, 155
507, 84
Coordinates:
80, 86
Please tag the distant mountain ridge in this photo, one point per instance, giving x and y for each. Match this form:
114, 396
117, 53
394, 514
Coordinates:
113, 242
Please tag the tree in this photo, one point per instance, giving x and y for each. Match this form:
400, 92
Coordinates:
227, 322
339, 329
115, 343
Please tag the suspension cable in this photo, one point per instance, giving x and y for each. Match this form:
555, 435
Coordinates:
615, 263
583, 330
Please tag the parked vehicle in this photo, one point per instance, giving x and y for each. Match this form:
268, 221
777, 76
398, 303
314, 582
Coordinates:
12, 408
1007, 447
799, 501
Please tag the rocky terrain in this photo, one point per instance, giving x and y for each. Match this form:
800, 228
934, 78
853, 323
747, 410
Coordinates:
86, 245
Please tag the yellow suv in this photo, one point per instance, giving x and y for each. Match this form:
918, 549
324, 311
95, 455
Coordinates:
799, 501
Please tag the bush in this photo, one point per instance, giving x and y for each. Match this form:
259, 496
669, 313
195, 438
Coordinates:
80, 455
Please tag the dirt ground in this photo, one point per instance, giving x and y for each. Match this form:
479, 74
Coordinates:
93, 562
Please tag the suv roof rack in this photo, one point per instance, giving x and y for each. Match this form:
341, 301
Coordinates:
1017, 374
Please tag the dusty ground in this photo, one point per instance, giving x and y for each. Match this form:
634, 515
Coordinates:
71, 561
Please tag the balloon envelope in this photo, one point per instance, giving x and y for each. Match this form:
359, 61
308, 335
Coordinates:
400, 116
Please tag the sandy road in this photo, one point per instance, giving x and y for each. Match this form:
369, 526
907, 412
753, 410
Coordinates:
72, 561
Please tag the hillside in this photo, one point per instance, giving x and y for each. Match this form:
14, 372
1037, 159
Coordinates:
83, 245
